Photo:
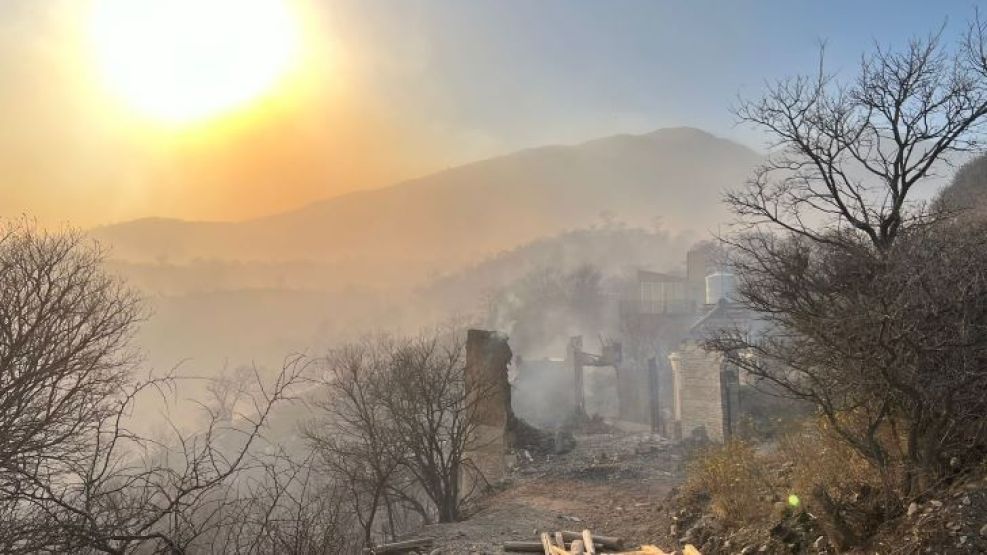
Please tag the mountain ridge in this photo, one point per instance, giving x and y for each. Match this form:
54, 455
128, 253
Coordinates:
467, 211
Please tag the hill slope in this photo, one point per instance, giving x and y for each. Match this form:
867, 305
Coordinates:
463, 213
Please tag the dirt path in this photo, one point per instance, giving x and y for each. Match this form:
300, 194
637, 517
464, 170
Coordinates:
614, 484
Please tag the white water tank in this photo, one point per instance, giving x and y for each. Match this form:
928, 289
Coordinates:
720, 286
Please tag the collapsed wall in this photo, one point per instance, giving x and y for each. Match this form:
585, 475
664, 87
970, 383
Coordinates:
487, 357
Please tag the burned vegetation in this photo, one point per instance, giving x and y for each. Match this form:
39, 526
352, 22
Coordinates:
812, 380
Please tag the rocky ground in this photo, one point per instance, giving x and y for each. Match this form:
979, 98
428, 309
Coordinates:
626, 485
953, 520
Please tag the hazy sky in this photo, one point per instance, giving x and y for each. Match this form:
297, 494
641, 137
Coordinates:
397, 89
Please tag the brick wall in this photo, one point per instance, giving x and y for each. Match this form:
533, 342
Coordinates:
698, 401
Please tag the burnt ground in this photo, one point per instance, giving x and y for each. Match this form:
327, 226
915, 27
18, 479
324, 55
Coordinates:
614, 484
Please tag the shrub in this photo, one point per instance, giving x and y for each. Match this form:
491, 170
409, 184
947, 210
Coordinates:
735, 479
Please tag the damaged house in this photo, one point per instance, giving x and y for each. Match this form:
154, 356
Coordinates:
654, 374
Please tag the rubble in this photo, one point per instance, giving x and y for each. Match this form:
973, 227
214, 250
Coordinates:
581, 488
417, 545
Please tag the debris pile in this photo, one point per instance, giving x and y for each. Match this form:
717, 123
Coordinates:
583, 543
417, 546
538, 442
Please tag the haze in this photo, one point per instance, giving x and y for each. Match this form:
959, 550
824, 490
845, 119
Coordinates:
390, 91
425, 276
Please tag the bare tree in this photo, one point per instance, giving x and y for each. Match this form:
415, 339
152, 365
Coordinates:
868, 304
74, 477
847, 155
64, 333
286, 506
354, 434
436, 417
397, 425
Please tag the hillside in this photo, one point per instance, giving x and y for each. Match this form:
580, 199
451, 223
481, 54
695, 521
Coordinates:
463, 213
416, 252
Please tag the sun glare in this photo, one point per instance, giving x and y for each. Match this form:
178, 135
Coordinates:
181, 61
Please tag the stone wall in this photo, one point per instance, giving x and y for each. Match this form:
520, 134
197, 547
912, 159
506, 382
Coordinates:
698, 397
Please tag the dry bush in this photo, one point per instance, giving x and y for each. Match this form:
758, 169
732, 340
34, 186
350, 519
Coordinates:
835, 482
736, 480
821, 460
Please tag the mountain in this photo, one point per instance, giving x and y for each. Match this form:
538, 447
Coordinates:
462, 214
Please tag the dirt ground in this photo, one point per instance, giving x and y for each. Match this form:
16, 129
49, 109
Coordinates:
613, 484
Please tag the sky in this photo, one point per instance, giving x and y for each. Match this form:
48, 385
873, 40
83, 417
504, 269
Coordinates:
388, 90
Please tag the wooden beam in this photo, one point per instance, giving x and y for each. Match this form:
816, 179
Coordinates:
609, 542
546, 543
588, 542
402, 546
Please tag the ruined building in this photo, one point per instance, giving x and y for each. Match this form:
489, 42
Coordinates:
706, 399
668, 380
487, 358
655, 375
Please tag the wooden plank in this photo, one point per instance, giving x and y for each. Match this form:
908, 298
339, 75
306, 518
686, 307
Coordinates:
546, 543
588, 542
609, 542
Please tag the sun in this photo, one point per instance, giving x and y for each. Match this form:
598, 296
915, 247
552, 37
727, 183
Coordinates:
181, 61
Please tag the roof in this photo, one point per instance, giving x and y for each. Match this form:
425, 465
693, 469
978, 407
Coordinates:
722, 315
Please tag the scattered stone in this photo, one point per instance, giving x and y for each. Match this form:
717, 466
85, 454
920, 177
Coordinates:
936, 503
747, 550
983, 531
965, 500
912, 508
820, 542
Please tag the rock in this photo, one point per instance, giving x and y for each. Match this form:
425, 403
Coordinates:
763, 549
936, 503
912, 508
819, 543
983, 531
747, 550
965, 500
